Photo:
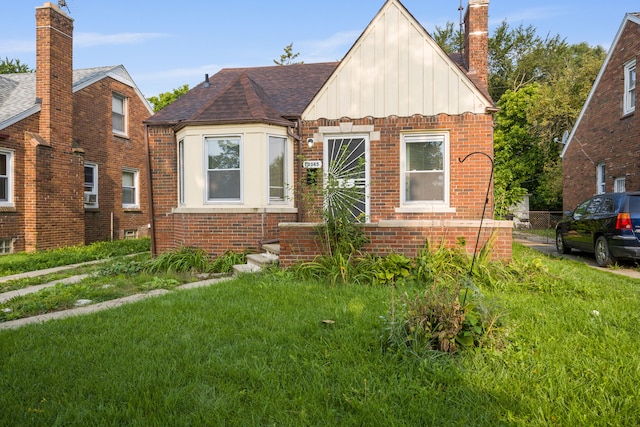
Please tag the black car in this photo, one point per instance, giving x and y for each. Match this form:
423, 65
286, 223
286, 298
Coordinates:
607, 225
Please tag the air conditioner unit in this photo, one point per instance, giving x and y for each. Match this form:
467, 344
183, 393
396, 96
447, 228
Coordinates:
90, 199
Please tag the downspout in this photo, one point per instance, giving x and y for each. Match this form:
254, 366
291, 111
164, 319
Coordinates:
152, 227
298, 194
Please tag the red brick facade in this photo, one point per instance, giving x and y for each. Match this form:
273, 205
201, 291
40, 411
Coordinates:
392, 226
299, 242
218, 232
93, 133
50, 147
604, 133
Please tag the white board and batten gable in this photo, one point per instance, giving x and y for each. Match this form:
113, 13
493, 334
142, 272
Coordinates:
396, 68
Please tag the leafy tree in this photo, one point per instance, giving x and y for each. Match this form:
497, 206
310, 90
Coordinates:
540, 85
288, 57
448, 38
9, 66
166, 98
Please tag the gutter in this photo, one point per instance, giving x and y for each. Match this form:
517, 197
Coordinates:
298, 138
152, 224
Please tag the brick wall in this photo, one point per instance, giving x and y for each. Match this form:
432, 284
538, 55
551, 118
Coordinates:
604, 133
216, 232
50, 148
92, 131
54, 211
299, 241
468, 180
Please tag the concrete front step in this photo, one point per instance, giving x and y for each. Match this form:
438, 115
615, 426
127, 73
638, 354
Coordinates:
255, 262
272, 248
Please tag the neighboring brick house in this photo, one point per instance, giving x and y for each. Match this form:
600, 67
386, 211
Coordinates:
231, 159
73, 167
601, 153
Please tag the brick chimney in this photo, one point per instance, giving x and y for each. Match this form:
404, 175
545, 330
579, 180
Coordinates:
476, 41
54, 75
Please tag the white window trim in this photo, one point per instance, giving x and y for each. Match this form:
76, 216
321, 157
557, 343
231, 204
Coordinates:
601, 180
125, 106
425, 206
205, 147
181, 172
136, 183
94, 166
628, 104
9, 203
285, 172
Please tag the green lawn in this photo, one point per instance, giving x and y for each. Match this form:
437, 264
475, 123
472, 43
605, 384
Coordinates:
255, 351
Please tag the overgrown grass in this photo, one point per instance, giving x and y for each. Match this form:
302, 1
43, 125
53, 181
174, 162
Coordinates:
115, 278
257, 351
22, 262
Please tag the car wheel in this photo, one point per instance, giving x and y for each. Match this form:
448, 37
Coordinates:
603, 256
560, 246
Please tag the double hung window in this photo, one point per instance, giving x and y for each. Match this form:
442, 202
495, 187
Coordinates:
90, 185
6, 178
118, 114
425, 177
600, 178
629, 102
130, 189
277, 168
224, 177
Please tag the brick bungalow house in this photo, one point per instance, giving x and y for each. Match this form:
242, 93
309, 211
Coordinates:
601, 154
73, 168
231, 160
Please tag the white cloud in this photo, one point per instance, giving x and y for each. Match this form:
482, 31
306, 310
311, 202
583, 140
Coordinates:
97, 39
17, 46
332, 48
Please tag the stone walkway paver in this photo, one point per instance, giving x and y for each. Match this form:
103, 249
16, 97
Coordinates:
92, 308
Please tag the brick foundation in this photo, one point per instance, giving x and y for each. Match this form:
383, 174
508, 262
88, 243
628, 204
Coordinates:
299, 241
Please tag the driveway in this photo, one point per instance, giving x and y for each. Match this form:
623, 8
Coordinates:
547, 246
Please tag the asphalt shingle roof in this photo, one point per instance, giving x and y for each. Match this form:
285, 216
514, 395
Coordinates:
18, 91
242, 95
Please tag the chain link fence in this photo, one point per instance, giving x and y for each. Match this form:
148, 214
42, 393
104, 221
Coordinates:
538, 223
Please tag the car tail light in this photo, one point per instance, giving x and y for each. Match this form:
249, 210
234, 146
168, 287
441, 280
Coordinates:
623, 222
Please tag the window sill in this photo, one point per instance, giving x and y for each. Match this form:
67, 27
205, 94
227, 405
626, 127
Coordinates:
131, 210
627, 115
234, 210
425, 209
8, 209
91, 209
121, 135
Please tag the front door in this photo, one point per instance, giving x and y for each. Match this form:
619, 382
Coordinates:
347, 175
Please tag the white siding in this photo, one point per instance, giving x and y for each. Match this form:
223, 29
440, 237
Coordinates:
395, 68
254, 163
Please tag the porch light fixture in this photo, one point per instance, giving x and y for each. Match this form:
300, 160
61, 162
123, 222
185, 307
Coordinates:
310, 142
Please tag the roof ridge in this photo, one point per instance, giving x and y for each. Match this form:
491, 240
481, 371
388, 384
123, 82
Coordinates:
213, 100
261, 100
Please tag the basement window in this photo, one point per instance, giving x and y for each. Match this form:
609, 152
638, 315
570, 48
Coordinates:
6, 246
130, 234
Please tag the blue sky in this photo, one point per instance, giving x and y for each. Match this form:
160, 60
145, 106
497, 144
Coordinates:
165, 44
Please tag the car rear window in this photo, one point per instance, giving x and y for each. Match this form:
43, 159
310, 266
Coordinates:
634, 204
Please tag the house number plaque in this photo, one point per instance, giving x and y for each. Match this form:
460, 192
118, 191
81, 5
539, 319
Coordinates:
312, 164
